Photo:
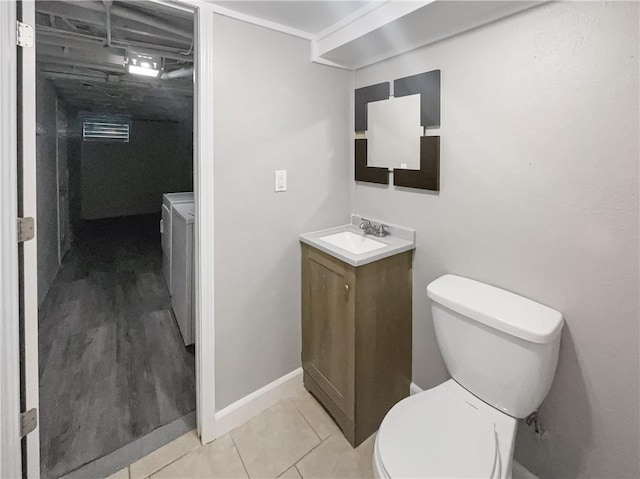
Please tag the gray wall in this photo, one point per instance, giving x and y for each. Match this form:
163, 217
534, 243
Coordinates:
47, 187
539, 195
122, 179
274, 110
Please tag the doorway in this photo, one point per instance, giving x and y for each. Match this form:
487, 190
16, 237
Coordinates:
114, 135
20, 365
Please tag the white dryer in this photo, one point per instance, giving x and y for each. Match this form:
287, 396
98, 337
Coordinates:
182, 268
168, 200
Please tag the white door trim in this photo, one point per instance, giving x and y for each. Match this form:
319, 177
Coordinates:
31, 386
10, 454
204, 224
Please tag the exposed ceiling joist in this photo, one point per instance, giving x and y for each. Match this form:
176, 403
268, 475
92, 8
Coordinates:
105, 55
65, 72
70, 12
149, 32
53, 36
126, 82
83, 48
136, 16
156, 31
70, 61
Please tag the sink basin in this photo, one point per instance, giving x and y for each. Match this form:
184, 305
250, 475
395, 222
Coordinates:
349, 244
352, 242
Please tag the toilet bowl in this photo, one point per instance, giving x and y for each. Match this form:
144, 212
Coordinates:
501, 350
444, 432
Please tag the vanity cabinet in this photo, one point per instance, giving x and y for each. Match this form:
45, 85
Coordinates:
356, 337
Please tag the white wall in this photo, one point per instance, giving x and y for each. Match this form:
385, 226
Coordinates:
274, 109
539, 195
122, 179
47, 186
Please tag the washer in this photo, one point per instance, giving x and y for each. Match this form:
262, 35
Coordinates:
168, 200
182, 217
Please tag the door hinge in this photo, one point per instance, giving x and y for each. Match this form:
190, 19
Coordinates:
28, 421
24, 35
26, 228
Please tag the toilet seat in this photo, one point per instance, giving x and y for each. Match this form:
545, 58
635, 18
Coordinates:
437, 434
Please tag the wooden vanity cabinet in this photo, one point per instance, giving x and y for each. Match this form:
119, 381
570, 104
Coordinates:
356, 337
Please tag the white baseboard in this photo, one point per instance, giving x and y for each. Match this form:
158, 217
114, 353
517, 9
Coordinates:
249, 406
519, 471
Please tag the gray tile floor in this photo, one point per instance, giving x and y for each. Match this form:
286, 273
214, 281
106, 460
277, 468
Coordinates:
112, 363
295, 438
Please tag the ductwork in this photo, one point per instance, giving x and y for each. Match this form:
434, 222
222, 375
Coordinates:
107, 5
181, 73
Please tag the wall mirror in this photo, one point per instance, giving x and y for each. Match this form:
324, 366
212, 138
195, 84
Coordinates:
394, 132
390, 132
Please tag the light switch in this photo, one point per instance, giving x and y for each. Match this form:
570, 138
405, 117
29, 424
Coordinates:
281, 180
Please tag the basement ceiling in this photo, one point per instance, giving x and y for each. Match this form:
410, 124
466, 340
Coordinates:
83, 47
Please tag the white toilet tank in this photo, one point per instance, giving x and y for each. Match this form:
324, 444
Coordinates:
501, 347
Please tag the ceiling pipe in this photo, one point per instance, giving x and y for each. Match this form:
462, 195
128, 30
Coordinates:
149, 20
123, 12
84, 41
180, 73
102, 67
107, 5
68, 23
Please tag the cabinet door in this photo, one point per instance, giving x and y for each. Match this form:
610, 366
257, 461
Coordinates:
328, 326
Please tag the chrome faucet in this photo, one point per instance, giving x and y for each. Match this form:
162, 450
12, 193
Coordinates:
372, 229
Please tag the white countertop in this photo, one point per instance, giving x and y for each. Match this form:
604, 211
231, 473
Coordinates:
398, 240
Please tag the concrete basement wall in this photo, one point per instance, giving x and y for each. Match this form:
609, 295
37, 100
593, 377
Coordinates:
539, 195
46, 184
123, 179
274, 109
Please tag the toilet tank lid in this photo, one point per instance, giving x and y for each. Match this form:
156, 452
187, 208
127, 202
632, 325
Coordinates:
497, 308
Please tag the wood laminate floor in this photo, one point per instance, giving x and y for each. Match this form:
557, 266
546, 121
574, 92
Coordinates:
113, 366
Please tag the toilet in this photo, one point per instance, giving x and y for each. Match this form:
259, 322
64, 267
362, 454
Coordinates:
501, 351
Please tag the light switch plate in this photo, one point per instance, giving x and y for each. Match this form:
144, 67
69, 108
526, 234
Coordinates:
281, 180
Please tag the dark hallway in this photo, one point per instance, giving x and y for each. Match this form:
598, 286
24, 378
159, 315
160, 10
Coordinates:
113, 366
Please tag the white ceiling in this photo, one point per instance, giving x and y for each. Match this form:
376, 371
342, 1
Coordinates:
354, 34
310, 16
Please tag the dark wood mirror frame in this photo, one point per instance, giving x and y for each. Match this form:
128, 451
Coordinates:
427, 85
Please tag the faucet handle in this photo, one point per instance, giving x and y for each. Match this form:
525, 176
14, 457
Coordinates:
383, 230
365, 223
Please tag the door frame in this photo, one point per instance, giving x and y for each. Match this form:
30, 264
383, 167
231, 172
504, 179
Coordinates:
10, 448
30, 387
204, 218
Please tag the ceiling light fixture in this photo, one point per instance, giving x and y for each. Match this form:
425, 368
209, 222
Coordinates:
145, 65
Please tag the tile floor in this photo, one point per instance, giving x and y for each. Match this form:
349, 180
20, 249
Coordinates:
293, 439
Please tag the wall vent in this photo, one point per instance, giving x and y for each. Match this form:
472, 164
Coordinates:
106, 129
